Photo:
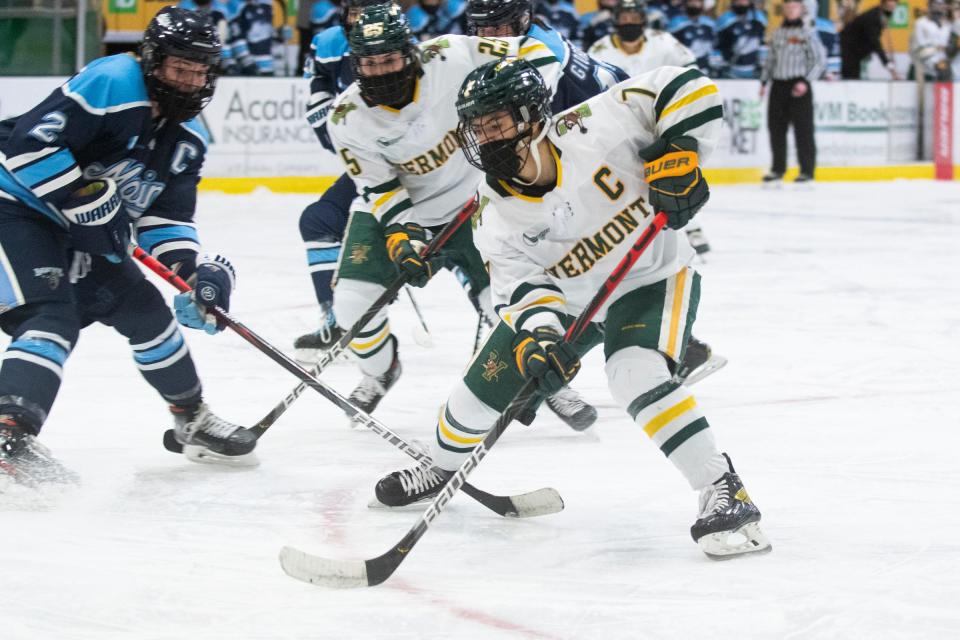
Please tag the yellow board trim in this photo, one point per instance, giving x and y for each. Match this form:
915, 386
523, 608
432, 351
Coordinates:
452, 436
684, 101
675, 313
669, 415
732, 175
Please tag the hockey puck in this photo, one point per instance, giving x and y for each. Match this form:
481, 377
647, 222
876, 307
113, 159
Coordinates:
170, 442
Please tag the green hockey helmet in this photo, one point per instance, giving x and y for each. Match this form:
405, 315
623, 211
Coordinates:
383, 55
499, 105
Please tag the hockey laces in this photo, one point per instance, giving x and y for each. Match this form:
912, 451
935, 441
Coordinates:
721, 497
368, 389
418, 479
216, 426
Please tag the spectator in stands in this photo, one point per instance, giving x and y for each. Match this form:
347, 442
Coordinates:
635, 48
796, 60
830, 40
861, 38
697, 32
596, 24
251, 38
559, 14
740, 35
313, 16
431, 18
929, 42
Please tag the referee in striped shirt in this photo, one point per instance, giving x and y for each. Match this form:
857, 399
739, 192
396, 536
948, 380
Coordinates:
796, 59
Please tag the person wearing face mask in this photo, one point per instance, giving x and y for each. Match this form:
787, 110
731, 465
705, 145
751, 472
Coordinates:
432, 18
635, 48
797, 58
740, 35
697, 32
929, 42
860, 39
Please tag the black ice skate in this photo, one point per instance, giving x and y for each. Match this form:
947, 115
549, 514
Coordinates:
26, 461
571, 408
371, 389
699, 361
309, 347
208, 438
410, 486
729, 522
772, 179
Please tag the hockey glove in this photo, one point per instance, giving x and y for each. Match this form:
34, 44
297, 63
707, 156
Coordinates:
212, 284
404, 244
677, 186
542, 355
98, 222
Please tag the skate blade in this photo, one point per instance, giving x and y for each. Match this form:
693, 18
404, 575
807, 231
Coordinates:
711, 366
724, 545
202, 455
413, 506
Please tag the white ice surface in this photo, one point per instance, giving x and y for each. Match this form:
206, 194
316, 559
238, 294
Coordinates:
839, 309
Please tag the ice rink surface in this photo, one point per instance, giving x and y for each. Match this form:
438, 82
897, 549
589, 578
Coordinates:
839, 309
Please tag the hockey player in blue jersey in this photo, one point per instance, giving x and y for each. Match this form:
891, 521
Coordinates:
432, 18
116, 143
251, 37
583, 77
830, 39
696, 31
740, 35
323, 222
560, 15
595, 24
219, 13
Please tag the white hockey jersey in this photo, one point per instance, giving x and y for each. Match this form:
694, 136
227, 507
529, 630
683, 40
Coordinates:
407, 163
659, 49
928, 42
549, 249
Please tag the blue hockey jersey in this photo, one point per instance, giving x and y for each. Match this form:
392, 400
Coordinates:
100, 124
739, 39
323, 15
827, 31
592, 27
560, 15
450, 17
583, 77
697, 34
251, 37
329, 71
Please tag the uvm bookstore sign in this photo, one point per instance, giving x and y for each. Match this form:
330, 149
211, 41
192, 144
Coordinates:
857, 123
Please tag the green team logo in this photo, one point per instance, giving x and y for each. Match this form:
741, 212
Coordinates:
123, 6
572, 119
340, 113
433, 49
900, 18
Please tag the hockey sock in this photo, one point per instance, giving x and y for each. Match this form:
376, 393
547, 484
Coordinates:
667, 412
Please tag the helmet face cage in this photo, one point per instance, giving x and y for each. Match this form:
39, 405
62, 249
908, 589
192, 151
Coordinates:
495, 13
383, 29
510, 87
179, 33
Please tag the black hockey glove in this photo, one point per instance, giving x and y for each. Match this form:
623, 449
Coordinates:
542, 355
404, 244
677, 186
98, 222
212, 282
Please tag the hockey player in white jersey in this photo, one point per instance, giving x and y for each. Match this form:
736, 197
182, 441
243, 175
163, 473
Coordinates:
395, 130
634, 47
563, 200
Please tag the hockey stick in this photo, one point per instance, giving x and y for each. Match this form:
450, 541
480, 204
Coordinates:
423, 337
331, 354
368, 573
534, 503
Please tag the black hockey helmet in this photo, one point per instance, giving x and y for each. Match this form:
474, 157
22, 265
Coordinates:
516, 14
383, 29
176, 32
630, 6
629, 29
509, 87
354, 7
